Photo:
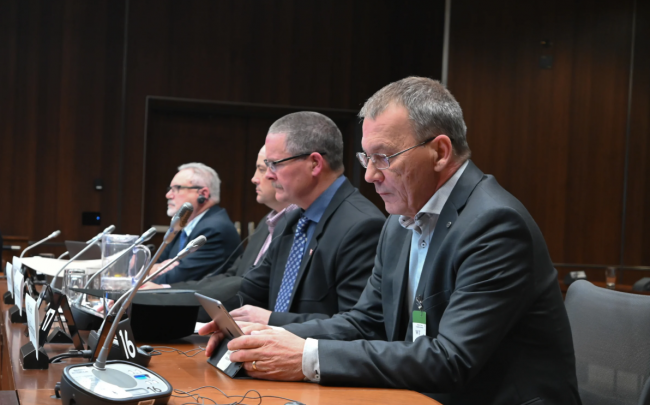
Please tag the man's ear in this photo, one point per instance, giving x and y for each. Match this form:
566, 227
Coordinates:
444, 151
318, 163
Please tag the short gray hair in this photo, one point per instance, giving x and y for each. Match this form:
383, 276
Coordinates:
205, 176
309, 131
431, 107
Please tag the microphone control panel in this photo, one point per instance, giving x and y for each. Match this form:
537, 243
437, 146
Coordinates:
119, 383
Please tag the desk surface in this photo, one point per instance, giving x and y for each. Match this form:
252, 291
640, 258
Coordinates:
187, 373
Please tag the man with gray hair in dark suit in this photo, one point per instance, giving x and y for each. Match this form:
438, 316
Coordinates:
463, 303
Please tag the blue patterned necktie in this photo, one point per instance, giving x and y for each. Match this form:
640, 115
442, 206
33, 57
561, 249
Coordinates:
182, 240
293, 264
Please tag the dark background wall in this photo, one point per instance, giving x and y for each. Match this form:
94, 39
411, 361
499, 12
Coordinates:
572, 142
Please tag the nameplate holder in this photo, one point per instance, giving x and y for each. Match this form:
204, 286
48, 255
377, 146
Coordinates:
221, 360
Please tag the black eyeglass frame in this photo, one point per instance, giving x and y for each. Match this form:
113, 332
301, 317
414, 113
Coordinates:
272, 165
179, 188
364, 159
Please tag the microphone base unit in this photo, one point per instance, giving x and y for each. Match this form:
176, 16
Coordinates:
120, 383
28, 358
8, 299
15, 316
137, 356
59, 336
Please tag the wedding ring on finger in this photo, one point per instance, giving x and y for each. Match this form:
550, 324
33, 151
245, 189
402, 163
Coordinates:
255, 365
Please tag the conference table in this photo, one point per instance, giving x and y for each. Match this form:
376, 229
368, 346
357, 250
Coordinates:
183, 373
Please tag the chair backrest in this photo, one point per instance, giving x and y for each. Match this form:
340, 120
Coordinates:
611, 337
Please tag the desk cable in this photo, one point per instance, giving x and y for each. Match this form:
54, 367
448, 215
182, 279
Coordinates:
158, 350
197, 397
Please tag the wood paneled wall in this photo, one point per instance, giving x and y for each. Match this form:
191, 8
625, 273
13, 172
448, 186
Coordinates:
75, 76
60, 98
557, 138
572, 142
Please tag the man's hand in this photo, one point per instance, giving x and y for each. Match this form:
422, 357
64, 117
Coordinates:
277, 354
156, 266
249, 313
151, 286
215, 339
217, 336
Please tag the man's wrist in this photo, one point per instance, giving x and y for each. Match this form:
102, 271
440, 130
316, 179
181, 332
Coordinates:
310, 361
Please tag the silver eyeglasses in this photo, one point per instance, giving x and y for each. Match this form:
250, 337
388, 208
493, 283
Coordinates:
380, 160
177, 188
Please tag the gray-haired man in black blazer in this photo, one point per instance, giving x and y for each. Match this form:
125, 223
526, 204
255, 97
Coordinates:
463, 302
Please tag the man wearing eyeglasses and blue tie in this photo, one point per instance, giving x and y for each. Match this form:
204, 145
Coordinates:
199, 185
319, 264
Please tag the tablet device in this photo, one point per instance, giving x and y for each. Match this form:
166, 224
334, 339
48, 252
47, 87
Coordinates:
221, 357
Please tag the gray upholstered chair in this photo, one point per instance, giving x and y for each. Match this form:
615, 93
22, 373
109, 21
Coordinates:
611, 336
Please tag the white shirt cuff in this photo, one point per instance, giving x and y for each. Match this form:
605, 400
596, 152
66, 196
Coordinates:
310, 362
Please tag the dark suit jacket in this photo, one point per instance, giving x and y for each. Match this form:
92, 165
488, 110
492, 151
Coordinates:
224, 285
334, 269
497, 330
222, 240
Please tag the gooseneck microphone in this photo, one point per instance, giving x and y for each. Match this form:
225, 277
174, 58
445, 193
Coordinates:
48, 237
177, 224
64, 254
94, 240
121, 382
143, 238
191, 247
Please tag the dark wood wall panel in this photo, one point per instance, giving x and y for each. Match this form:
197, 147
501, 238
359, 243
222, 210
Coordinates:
59, 114
230, 136
556, 138
553, 137
637, 226
325, 54
62, 75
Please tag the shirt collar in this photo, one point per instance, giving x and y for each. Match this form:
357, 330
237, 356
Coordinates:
274, 217
436, 202
190, 227
318, 207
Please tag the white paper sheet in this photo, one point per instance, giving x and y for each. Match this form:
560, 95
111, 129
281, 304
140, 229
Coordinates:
19, 290
9, 272
32, 320
52, 266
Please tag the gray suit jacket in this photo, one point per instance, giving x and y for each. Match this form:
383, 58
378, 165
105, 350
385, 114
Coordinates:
496, 328
334, 269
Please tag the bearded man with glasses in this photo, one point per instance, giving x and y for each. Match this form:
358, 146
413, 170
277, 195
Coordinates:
199, 185
463, 303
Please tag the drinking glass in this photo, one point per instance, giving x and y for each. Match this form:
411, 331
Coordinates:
610, 277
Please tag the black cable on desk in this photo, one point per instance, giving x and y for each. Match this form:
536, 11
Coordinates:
71, 354
197, 397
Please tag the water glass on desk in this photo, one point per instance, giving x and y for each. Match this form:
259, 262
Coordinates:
610, 277
74, 278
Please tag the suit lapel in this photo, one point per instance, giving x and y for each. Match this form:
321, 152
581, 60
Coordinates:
448, 216
341, 194
255, 243
399, 289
